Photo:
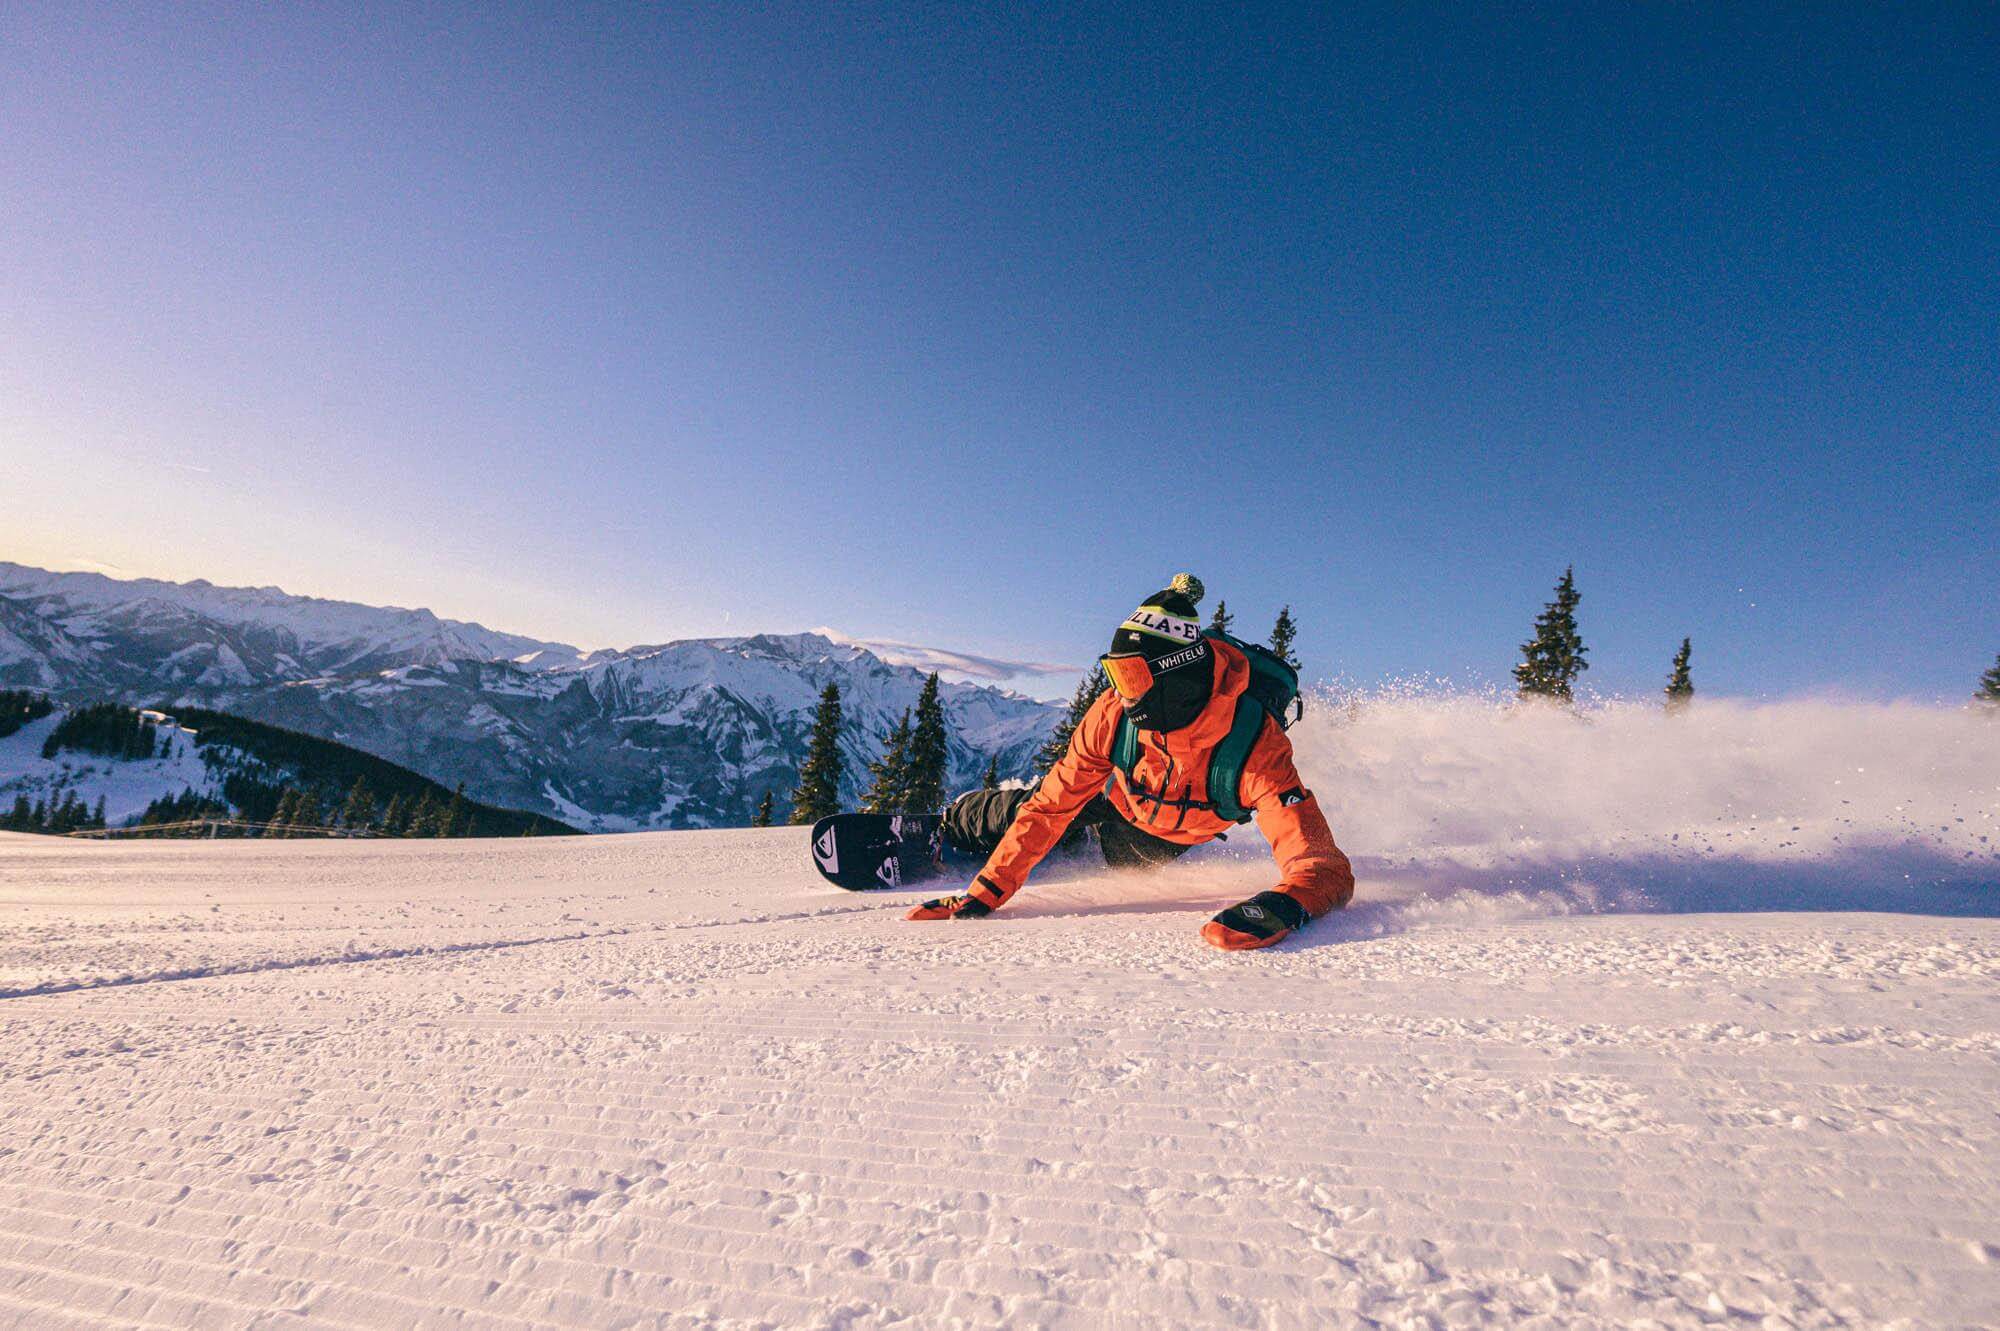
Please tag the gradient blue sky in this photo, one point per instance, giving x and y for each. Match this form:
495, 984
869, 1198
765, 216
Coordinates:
968, 328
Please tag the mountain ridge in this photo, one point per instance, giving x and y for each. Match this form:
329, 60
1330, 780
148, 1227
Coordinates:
685, 733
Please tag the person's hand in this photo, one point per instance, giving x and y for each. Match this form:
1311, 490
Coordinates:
964, 906
1259, 922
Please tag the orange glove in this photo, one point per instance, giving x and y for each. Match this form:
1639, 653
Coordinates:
1261, 921
980, 899
962, 907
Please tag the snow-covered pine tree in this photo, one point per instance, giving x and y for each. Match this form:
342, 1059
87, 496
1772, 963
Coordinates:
1553, 658
889, 775
1989, 687
818, 794
1282, 634
764, 812
929, 754
1680, 685
991, 781
1086, 693
1221, 619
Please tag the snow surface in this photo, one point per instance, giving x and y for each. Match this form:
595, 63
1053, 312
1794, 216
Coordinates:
1556, 1067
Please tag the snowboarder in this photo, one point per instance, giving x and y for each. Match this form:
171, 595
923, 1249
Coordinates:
1180, 688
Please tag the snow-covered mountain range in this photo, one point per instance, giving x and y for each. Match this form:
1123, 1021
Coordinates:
682, 734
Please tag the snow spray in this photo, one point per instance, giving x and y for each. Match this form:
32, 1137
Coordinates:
1725, 805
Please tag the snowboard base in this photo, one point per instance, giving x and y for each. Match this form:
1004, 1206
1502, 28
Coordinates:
865, 851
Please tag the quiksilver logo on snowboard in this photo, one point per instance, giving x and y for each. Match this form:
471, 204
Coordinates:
890, 874
825, 852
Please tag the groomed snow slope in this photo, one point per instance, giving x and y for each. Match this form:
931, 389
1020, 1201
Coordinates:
671, 1079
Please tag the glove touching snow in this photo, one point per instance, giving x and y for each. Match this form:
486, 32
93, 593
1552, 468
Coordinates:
970, 905
1258, 922
960, 907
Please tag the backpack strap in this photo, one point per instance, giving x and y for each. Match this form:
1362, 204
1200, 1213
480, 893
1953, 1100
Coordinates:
1125, 746
1225, 765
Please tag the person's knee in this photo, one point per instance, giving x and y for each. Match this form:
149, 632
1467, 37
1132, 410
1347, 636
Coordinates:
976, 821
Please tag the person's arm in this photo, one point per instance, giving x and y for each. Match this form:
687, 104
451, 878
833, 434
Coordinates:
1070, 784
1314, 874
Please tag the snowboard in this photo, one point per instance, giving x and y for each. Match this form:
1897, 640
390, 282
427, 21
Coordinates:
861, 851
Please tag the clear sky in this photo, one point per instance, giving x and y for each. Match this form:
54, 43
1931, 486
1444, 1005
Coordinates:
616, 324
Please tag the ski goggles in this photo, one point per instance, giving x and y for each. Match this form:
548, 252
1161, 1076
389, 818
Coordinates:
1130, 675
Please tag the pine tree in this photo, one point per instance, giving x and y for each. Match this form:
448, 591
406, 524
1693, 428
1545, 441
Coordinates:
991, 781
425, 819
1989, 686
1282, 634
1080, 702
764, 812
1680, 685
281, 818
818, 793
97, 814
306, 813
1553, 658
456, 820
359, 811
396, 816
929, 754
889, 775
1221, 619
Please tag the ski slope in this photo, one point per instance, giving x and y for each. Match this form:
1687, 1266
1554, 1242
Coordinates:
1584, 1053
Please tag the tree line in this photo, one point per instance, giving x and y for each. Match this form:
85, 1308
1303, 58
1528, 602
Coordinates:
268, 811
285, 810
106, 729
59, 813
429, 813
268, 775
20, 706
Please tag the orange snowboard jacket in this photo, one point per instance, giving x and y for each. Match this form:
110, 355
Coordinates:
1173, 769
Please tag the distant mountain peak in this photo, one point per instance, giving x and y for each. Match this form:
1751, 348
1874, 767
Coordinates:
677, 734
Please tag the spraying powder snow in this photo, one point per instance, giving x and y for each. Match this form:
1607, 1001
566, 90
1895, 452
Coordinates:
1621, 805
